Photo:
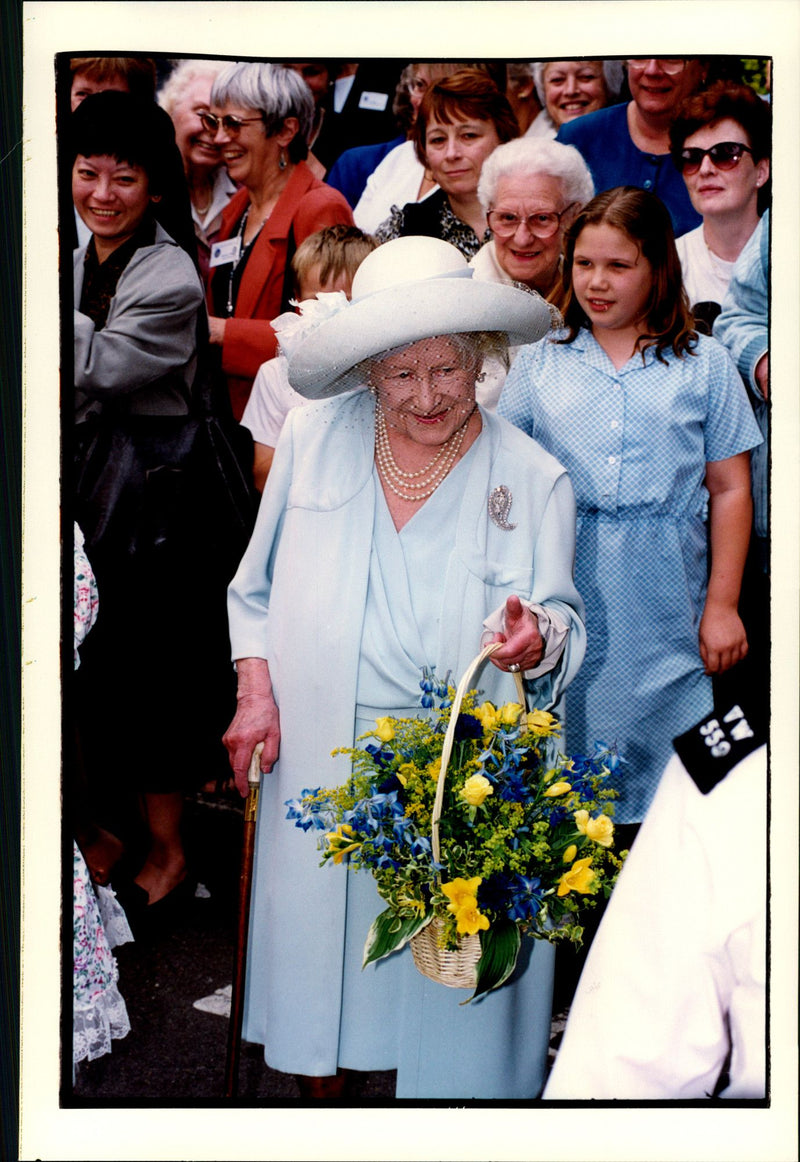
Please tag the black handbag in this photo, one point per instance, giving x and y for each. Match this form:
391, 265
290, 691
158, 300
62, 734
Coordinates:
166, 485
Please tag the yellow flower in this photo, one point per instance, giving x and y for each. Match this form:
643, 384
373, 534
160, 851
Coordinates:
570, 853
434, 769
577, 879
510, 713
476, 789
461, 892
541, 723
385, 731
340, 842
557, 789
488, 716
469, 920
600, 830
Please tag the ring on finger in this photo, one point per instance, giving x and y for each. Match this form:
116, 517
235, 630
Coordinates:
513, 668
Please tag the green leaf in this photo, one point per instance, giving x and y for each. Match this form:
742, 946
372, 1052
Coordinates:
499, 950
388, 932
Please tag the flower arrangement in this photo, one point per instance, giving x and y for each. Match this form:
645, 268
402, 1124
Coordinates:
523, 844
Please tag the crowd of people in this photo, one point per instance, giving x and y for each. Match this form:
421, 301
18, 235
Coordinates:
322, 312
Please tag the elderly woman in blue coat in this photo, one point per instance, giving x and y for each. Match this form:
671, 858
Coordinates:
401, 526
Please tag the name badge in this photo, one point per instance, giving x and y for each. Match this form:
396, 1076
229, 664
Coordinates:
227, 251
376, 101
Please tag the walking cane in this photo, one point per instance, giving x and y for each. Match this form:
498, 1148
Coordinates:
240, 952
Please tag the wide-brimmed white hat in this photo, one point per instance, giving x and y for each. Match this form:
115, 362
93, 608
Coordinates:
409, 289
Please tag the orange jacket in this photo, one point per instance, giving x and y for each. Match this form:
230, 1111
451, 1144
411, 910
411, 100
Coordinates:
305, 206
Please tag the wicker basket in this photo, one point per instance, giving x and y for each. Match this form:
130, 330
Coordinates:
457, 968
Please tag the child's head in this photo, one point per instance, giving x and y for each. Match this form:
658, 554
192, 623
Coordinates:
645, 221
327, 260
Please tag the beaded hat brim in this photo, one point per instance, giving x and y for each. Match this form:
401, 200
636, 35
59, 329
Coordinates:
395, 306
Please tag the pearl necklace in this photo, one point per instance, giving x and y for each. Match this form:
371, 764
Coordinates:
419, 485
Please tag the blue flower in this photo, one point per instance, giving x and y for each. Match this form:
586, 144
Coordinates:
494, 893
421, 847
558, 815
382, 755
513, 787
468, 726
390, 784
526, 898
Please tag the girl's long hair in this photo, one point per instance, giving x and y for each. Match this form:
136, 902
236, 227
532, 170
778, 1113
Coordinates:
644, 218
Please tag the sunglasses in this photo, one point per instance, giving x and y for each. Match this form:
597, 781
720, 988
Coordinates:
231, 125
724, 155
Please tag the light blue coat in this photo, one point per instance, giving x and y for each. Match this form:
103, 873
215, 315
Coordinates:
298, 600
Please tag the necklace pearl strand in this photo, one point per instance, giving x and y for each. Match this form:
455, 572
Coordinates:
419, 485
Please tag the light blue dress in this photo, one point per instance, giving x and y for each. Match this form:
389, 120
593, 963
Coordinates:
347, 610
492, 1048
635, 442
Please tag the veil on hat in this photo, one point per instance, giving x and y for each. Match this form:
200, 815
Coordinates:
408, 289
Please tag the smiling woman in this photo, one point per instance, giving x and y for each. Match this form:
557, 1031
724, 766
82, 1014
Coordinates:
112, 197
260, 119
460, 121
185, 96
377, 537
570, 89
137, 299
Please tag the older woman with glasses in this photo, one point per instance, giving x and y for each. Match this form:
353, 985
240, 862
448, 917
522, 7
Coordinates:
628, 144
531, 191
185, 95
260, 117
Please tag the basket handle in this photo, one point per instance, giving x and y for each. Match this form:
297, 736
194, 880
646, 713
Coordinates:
447, 748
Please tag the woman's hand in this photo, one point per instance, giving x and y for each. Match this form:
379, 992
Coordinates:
723, 641
522, 643
216, 330
256, 720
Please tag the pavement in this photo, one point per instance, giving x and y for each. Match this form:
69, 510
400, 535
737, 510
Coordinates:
175, 979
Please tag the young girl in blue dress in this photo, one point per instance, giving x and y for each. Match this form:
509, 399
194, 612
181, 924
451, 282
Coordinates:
652, 422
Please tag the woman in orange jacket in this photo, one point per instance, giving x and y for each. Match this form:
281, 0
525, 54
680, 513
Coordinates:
261, 115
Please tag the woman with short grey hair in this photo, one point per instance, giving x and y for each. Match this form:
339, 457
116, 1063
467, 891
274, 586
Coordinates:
569, 89
531, 190
260, 117
185, 96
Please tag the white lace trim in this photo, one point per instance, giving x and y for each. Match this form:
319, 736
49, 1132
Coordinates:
112, 914
97, 1022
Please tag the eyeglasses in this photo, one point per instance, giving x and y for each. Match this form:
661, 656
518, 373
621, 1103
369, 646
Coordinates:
544, 223
231, 125
669, 65
724, 155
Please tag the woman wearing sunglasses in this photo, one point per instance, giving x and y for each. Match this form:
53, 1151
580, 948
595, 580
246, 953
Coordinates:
720, 143
628, 144
260, 116
185, 95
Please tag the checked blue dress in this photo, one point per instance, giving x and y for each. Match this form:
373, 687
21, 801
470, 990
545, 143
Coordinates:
635, 442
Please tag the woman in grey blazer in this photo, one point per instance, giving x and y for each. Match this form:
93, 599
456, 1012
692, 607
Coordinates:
137, 306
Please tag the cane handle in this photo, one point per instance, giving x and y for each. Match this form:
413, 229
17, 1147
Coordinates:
254, 773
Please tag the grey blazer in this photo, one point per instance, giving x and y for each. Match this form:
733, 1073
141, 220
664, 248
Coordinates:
146, 352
